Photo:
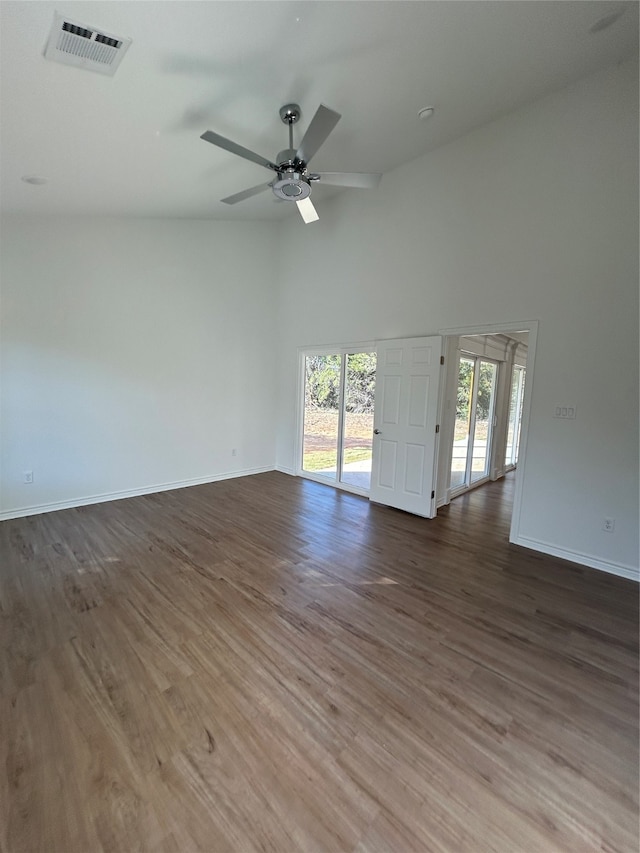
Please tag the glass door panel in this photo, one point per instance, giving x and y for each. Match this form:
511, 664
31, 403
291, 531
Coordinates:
515, 415
321, 415
337, 422
463, 422
483, 420
475, 404
357, 434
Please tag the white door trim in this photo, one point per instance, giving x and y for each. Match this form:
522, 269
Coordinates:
530, 326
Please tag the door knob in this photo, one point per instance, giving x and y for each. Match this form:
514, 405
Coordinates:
377, 432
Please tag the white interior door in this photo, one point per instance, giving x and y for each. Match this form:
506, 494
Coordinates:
405, 418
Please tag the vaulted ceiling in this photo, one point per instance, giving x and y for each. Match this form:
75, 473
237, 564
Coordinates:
129, 145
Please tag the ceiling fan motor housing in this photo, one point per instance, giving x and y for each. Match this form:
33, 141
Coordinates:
287, 158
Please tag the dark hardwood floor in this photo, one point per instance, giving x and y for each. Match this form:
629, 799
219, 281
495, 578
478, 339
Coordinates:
268, 664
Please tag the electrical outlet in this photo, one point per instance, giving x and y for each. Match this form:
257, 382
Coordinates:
27, 477
609, 525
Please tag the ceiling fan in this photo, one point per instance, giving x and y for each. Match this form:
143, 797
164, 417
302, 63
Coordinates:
293, 180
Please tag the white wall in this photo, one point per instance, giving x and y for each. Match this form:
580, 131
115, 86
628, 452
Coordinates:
532, 217
135, 354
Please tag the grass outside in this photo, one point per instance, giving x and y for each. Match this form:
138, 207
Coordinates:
320, 438
462, 427
320, 460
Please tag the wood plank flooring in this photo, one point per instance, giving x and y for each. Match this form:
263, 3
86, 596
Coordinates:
268, 664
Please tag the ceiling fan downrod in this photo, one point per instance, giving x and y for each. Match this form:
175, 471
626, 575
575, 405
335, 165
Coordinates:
290, 114
291, 185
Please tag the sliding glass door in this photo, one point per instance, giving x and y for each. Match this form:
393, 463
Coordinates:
462, 429
473, 432
337, 423
516, 400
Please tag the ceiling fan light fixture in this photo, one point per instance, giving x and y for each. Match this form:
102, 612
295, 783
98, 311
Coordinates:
292, 186
292, 190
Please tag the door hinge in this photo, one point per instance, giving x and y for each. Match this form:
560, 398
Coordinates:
433, 494
441, 359
437, 427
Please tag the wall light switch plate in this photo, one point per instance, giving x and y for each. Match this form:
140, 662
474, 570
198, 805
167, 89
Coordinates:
566, 412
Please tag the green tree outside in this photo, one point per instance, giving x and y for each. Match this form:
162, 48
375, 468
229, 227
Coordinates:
322, 382
465, 385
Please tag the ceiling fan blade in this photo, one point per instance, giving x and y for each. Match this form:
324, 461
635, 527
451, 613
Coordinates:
321, 126
234, 148
233, 199
359, 180
307, 210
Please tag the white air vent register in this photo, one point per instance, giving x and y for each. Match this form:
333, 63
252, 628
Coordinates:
86, 47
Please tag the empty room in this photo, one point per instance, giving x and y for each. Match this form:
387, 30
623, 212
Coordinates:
319, 426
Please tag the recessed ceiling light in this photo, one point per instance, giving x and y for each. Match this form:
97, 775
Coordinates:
426, 112
36, 180
606, 21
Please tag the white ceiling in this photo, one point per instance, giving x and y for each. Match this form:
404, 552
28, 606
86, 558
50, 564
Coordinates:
129, 145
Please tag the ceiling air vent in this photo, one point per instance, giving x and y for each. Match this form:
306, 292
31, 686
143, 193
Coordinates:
85, 47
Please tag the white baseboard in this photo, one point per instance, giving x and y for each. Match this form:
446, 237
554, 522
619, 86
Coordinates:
619, 569
284, 470
22, 512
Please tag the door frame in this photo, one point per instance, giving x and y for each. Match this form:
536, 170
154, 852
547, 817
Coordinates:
447, 417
